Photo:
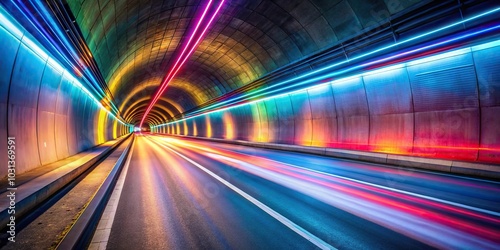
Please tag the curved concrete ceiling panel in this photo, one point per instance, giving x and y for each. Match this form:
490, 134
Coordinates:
135, 42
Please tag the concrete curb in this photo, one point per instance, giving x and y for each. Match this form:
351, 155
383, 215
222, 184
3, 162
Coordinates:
31, 200
81, 232
475, 169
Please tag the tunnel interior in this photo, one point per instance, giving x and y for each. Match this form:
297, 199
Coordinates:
408, 77
250, 124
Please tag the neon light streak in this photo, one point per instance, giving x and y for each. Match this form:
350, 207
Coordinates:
47, 18
320, 78
351, 59
177, 66
12, 28
454, 52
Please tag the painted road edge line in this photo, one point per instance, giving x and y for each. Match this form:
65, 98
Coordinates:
101, 235
285, 221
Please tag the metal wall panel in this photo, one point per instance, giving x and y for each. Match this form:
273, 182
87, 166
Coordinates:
324, 132
353, 132
322, 103
45, 118
61, 118
427, 107
487, 62
490, 135
272, 120
388, 92
286, 122
81, 123
444, 84
9, 46
23, 97
302, 118
264, 134
74, 99
243, 121
26, 76
447, 134
217, 125
350, 97
352, 114
392, 133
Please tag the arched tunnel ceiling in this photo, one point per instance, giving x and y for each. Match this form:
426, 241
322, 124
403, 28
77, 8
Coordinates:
134, 41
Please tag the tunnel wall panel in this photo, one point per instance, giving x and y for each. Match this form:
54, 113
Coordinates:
381, 88
9, 45
22, 109
61, 118
46, 115
447, 134
72, 119
392, 133
352, 114
487, 66
302, 118
444, 83
264, 134
490, 134
286, 121
324, 116
441, 106
39, 104
272, 120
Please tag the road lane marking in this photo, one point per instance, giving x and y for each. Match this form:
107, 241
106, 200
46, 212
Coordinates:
394, 190
103, 230
285, 221
476, 209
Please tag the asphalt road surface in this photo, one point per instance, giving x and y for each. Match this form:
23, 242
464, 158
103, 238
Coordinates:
191, 194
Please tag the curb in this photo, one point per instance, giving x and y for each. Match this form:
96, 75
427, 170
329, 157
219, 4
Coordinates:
36, 198
80, 234
482, 170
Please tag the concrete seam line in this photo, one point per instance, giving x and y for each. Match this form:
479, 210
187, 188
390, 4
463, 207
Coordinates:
95, 207
285, 221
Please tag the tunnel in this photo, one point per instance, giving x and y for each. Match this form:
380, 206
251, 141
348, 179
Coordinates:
250, 124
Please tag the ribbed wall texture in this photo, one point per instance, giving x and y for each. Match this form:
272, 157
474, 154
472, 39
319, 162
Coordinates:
42, 106
444, 106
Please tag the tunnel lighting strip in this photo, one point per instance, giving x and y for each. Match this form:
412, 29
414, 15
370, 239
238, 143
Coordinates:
40, 52
347, 78
177, 66
42, 12
490, 12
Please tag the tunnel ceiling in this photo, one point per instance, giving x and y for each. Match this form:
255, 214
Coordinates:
133, 43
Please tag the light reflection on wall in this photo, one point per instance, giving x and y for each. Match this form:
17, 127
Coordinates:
208, 126
426, 107
228, 126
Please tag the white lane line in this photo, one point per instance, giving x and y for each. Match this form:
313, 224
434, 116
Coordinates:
101, 235
481, 210
294, 227
476, 209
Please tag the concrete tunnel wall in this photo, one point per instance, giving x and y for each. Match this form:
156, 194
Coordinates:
43, 106
443, 106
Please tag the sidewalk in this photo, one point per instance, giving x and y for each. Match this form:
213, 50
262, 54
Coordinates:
33, 187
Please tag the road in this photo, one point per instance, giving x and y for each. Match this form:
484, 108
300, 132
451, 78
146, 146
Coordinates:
186, 194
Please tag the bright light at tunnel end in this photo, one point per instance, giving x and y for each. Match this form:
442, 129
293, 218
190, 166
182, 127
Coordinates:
182, 58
